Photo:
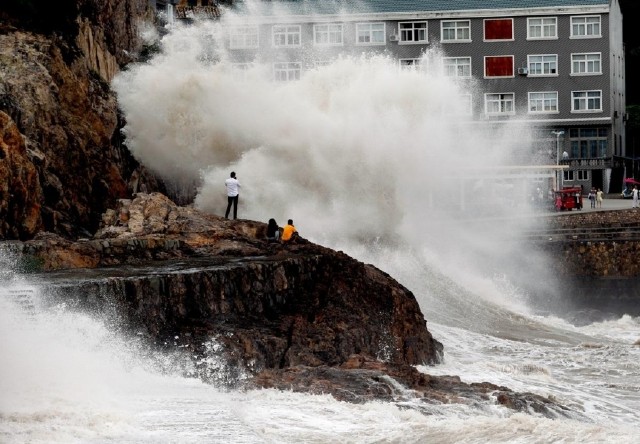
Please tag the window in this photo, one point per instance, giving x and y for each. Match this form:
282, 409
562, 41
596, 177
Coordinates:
586, 101
498, 66
583, 174
459, 106
457, 66
543, 102
455, 30
495, 104
413, 32
286, 35
286, 71
370, 34
412, 64
586, 63
328, 35
568, 176
498, 29
589, 143
540, 28
587, 26
543, 65
243, 37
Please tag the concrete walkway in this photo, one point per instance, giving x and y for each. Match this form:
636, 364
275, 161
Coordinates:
610, 202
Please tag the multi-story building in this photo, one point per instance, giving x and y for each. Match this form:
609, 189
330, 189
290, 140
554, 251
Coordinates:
555, 65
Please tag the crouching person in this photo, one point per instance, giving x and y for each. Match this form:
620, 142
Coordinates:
289, 232
273, 231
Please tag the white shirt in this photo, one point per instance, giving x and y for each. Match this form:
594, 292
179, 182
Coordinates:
232, 186
635, 194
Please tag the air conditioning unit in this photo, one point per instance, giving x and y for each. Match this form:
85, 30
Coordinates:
523, 71
393, 38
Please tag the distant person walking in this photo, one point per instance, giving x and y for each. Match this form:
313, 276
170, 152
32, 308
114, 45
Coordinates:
289, 231
634, 195
233, 192
592, 197
599, 197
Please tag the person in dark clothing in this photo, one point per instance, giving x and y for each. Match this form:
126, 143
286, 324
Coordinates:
273, 231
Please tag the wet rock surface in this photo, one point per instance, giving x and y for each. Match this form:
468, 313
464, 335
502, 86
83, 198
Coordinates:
361, 379
288, 316
58, 111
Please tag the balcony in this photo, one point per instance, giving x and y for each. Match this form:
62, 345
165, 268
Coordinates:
592, 163
188, 10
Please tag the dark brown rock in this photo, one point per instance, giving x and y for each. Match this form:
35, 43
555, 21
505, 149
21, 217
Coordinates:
272, 305
19, 185
362, 379
54, 85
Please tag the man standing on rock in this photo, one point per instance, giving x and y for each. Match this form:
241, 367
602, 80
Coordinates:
233, 187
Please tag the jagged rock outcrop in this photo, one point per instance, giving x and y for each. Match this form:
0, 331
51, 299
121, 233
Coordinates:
290, 316
54, 85
361, 379
272, 305
19, 186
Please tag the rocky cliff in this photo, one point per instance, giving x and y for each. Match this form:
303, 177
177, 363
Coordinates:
291, 316
56, 61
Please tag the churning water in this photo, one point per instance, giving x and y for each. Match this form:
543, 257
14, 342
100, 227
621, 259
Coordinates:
367, 159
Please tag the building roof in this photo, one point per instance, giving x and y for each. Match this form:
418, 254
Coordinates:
336, 7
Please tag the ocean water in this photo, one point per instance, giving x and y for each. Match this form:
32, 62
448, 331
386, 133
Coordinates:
69, 376
366, 158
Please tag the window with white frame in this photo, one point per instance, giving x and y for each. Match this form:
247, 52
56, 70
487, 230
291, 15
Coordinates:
241, 37
286, 35
499, 103
543, 64
568, 176
412, 64
543, 102
370, 34
586, 101
413, 32
455, 30
329, 34
540, 28
457, 66
286, 71
586, 26
460, 105
586, 64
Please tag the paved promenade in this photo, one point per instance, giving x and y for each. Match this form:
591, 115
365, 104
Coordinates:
610, 202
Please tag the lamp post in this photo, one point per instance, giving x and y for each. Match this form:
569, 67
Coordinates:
558, 172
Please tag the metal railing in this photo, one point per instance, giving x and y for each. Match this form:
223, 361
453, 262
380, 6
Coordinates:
597, 162
612, 233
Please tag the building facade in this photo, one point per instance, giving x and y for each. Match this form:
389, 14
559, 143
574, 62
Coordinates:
556, 66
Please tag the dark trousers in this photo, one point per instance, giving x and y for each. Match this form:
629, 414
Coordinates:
232, 200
